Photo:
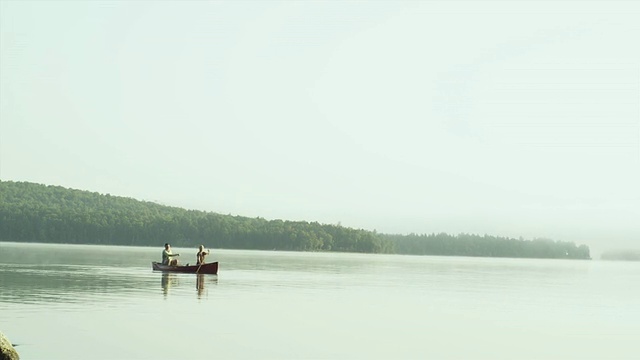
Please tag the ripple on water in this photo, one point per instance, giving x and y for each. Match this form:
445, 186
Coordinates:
72, 284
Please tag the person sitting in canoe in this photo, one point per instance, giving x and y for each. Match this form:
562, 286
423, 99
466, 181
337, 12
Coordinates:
201, 254
167, 256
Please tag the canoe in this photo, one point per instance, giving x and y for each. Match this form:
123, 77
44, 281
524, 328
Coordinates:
210, 268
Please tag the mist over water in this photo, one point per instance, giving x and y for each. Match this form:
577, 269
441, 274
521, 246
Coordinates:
64, 302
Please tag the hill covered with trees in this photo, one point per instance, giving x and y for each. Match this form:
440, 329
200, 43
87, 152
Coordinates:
52, 214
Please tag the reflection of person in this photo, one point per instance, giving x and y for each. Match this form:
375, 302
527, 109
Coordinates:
201, 254
200, 284
167, 281
167, 256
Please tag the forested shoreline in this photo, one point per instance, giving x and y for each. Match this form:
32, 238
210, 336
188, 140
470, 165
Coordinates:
32, 212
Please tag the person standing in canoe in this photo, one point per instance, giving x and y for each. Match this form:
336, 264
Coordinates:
167, 256
201, 254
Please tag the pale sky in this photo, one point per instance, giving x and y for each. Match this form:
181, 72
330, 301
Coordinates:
509, 118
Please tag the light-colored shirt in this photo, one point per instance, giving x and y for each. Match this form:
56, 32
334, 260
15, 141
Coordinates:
166, 256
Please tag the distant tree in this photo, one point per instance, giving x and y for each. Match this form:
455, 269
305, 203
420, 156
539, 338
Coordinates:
625, 255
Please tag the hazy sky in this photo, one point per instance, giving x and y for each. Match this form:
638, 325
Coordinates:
509, 118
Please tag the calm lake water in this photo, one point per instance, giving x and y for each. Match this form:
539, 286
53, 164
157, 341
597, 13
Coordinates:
105, 302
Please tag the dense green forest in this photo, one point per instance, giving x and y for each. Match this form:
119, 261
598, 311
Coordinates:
52, 214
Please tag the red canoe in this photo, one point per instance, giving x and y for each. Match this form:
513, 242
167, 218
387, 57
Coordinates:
210, 268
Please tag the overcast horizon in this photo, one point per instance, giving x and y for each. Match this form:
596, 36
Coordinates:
487, 117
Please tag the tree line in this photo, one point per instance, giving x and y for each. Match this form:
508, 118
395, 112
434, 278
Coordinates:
625, 255
52, 214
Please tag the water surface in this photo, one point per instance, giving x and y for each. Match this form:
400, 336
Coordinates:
105, 302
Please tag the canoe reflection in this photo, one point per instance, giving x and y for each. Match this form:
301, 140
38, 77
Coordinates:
170, 280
